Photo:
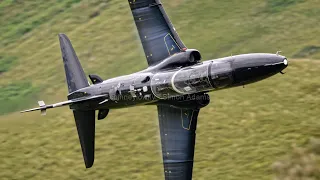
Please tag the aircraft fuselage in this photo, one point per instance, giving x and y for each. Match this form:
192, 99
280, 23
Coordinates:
176, 85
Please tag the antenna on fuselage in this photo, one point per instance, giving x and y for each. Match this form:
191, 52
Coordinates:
278, 53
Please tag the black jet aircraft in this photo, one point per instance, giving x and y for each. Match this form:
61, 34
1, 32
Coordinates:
176, 81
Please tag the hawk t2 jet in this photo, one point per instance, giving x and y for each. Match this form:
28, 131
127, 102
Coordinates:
176, 81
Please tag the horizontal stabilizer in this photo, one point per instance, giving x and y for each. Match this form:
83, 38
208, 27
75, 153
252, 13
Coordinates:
75, 75
85, 122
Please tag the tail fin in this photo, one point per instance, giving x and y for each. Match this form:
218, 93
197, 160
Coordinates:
75, 75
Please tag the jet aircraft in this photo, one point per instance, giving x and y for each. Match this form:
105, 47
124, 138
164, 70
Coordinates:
176, 81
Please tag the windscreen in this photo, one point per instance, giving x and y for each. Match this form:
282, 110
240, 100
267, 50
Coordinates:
187, 80
192, 79
161, 85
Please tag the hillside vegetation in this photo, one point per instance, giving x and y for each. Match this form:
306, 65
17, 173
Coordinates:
240, 134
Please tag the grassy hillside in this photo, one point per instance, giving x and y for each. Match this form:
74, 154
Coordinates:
104, 35
240, 134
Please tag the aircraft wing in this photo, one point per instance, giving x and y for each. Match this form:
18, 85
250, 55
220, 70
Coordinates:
158, 36
178, 134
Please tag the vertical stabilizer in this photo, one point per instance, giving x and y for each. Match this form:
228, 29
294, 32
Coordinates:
75, 75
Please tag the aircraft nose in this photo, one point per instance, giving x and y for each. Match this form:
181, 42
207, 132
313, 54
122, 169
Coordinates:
255, 67
281, 63
285, 61
278, 63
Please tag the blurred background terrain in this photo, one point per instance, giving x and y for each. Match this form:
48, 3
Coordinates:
260, 132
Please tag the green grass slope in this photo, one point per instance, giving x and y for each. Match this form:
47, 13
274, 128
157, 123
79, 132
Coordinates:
240, 134
104, 35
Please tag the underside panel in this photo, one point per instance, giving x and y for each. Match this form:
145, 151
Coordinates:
178, 134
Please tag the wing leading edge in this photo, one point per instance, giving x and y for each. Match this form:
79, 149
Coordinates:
157, 34
178, 134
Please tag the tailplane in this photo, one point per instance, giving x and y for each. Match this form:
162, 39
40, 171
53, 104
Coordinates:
85, 122
76, 78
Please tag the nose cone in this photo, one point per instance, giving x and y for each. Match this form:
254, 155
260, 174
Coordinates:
254, 67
